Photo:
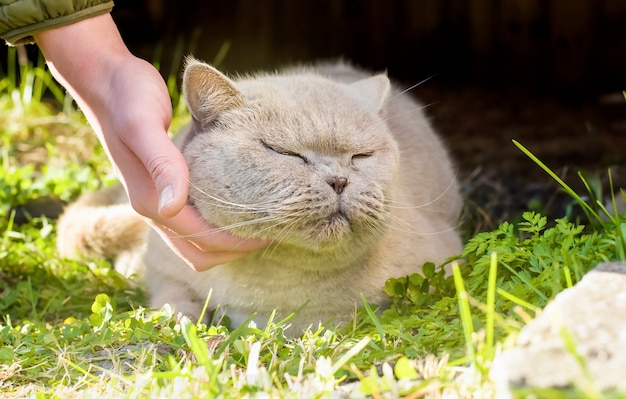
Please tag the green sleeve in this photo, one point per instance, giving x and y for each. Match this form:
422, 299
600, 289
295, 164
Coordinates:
21, 19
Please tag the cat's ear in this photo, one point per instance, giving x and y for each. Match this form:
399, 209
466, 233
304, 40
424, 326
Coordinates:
208, 92
373, 92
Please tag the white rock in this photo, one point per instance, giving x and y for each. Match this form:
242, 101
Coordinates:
592, 315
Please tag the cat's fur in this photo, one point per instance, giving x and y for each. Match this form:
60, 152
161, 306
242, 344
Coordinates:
338, 167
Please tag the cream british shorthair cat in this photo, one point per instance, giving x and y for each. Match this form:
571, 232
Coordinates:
337, 167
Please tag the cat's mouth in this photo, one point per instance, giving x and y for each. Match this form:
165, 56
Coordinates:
326, 231
332, 230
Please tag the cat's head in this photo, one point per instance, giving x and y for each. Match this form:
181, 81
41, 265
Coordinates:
295, 158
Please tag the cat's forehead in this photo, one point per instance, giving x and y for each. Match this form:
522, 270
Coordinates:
312, 113
307, 100
292, 90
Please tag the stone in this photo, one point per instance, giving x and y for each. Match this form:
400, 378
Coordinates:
577, 342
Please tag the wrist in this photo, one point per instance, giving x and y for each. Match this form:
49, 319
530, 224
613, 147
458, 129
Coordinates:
84, 56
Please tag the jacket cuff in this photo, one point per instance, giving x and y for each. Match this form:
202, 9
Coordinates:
24, 35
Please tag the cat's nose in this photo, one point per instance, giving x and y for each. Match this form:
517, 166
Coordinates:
338, 183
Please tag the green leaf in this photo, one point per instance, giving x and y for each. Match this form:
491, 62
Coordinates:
428, 269
6, 354
103, 310
198, 347
405, 369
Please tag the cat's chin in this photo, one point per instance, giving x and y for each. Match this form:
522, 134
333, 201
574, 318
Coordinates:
338, 218
333, 232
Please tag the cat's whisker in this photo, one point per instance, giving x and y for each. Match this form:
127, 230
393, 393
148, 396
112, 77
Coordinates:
412, 111
422, 208
271, 222
254, 206
271, 207
401, 225
239, 225
281, 236
374, 228
249, 210
403, 205
408, 89
218, 202
237, 211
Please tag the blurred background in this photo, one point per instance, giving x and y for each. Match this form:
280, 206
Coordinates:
565, 44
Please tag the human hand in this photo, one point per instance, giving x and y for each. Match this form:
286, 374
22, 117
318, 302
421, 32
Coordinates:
126, 102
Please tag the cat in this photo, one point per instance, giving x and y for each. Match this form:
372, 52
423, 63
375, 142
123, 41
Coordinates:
337, 166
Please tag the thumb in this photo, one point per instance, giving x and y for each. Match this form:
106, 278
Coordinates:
165, 175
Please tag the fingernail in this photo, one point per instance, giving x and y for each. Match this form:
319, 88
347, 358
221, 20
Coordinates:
166, 197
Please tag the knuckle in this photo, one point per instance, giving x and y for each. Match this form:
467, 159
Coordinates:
158, 166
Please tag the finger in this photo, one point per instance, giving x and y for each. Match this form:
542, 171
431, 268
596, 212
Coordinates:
196, 258
189, 225
167, 172
170, 175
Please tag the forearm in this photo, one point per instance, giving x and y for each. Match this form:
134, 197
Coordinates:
84, 57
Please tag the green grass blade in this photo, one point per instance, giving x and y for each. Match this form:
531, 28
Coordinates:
374, 319
491, 300
221, 54
204, 308
518, 301
464, 311
586, 208
198, 347
352, 352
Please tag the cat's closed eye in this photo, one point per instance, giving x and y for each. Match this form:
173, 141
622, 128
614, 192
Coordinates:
359, 156
284, 152
363, 155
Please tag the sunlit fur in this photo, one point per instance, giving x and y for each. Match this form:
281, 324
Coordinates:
340, 169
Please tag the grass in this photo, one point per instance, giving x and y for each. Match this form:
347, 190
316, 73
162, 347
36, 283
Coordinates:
78, 329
